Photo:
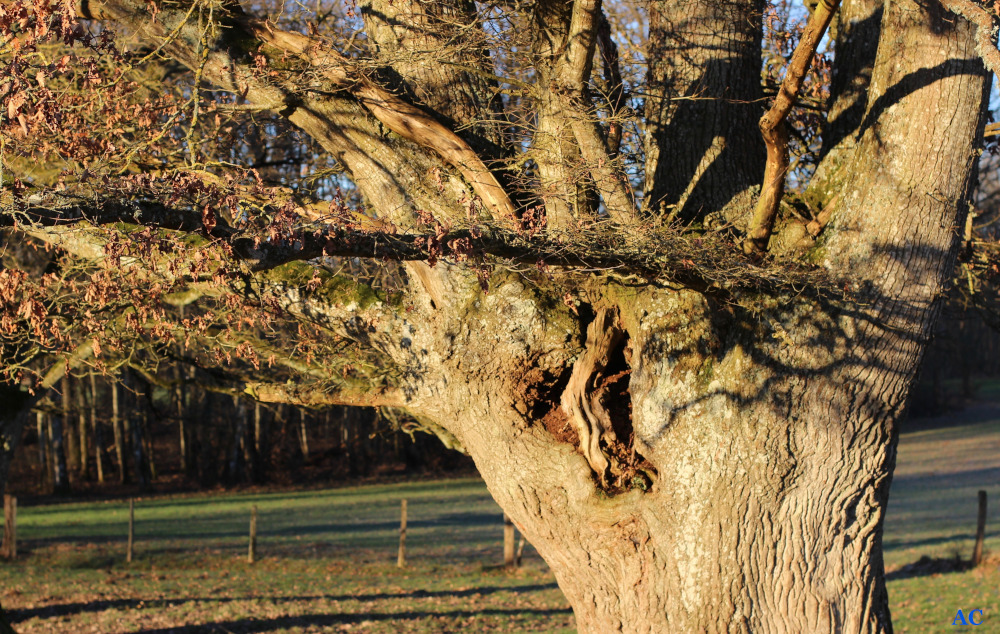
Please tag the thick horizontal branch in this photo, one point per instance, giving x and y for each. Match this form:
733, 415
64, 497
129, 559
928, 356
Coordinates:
298, 393
697, 261
55, 209
310, 397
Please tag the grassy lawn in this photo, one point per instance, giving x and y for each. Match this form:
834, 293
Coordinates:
941, 465
326, 563
327, 558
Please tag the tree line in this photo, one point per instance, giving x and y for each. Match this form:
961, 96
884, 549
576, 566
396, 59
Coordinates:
105, 433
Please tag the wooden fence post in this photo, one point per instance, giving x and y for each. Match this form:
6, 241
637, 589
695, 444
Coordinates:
131, 529
401, 557
252, 552
508, 542
977, 553
10, 526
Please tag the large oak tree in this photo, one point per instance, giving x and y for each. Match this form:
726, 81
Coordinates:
682, 382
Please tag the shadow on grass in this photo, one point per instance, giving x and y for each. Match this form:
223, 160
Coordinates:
974, 412
954, 479
926, 566
69, 609
249, 626
956, 538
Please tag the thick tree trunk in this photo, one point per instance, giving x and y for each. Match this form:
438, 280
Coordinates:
704, 149
769, 445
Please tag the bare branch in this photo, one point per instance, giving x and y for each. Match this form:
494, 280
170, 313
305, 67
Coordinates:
400, 116
575, 73
775, 129
613, 75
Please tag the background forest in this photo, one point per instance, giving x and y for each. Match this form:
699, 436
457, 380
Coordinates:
95, 435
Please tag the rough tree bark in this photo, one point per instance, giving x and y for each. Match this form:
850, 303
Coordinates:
704, 151
685, 458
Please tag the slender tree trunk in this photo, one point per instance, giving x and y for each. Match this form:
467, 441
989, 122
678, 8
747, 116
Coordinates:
303, 435
238, 444
181, 407
60, 474
250, 442
206, 463
84, 444
182, 435
261, 447
97, 429
134, 427
71, 450
148, 421
117, 426
136, 422
351, 445
194, 415
363, 438
44, 451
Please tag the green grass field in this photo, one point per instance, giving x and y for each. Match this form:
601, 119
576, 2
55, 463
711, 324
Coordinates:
327, 558
941, 465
